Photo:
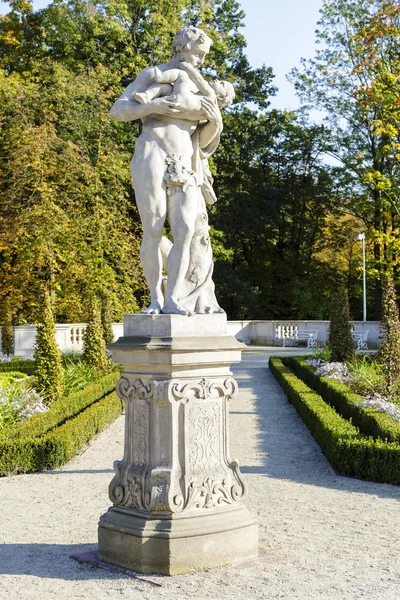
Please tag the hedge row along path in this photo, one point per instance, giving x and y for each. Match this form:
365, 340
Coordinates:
322, 536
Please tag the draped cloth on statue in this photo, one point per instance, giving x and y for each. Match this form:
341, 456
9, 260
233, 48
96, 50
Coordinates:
198, 290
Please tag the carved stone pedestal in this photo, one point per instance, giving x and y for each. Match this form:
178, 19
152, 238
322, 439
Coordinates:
176, 494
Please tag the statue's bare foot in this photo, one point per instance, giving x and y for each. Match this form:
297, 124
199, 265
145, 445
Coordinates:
153, 309
171, 307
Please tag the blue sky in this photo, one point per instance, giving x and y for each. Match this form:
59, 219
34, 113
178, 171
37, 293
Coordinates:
278, 33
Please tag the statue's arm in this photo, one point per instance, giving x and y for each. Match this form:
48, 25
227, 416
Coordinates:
127, 109
210, 131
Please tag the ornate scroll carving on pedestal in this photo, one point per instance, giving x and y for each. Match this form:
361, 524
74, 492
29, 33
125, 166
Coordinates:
195, 472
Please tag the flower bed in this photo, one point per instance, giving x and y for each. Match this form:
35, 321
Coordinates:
348, 451
27, 455
49, 439
347, 403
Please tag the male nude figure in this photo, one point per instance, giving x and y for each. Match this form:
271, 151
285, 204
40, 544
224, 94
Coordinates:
165, 184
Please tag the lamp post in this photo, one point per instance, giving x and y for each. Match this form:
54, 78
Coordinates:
361, 236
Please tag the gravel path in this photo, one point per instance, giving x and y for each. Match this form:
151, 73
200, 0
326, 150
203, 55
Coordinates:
322, 536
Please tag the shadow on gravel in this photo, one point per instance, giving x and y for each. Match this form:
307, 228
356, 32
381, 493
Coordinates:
77, 472
75, 562
47, 560
288, 449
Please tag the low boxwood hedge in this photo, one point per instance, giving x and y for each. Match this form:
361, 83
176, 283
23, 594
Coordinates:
55, 448
24, 366
62, 410
348, 451
10, 377
346, 402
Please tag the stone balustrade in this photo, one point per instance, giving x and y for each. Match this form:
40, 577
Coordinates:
69, 337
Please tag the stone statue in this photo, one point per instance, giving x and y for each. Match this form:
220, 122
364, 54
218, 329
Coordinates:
181, 118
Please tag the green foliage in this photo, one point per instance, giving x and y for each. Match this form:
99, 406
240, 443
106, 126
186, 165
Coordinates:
77, 376
268, 167
106, 319
67, 207
48, 370
354, 79
340, 342
323, 354
349, 452
27, 455
7, 379
369, 377
346, 402
94, 347
7, 334
389, 350
66, 202
8, 413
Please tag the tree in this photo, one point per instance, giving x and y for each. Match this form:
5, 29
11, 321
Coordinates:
340, 340
94, 346
354, 80
68, 219
271, 264
389, 350
66, 199
48, 369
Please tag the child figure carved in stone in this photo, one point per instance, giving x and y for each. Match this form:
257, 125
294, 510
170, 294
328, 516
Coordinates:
184, 92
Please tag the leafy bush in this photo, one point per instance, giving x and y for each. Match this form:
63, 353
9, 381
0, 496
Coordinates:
70, 358
323, 354
349, 452
77, 375
368, 376
340, 342
49, 380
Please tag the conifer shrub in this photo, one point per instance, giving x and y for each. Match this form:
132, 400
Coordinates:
48, 369
7, 335
389, 350
94, 347
106, 323
340, 342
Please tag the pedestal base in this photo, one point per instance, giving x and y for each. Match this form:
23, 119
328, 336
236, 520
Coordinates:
176, 494
177, 544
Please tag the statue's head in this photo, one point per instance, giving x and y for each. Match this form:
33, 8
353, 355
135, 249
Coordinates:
224, 91
191, 45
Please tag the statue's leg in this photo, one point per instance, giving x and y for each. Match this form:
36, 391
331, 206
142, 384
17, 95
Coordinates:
182, 212
151, 201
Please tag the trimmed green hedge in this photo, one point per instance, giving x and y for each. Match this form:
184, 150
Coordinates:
11, 376
62, 410
60, 445
344, 400
24, 366
349, 452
